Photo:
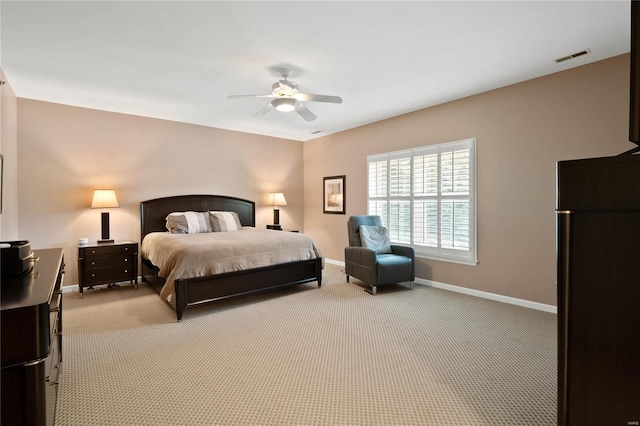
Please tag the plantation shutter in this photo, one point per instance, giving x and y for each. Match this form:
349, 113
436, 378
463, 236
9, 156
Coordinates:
426, 198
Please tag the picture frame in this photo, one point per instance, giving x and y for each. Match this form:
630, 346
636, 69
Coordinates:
334, 195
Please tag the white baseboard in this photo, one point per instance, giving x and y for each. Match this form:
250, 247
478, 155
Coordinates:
491, 296
477, 293
333, 262
70, 288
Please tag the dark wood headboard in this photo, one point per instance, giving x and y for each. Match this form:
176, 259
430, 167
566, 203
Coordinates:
154, 212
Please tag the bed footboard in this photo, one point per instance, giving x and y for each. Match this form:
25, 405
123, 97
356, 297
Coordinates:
195, 291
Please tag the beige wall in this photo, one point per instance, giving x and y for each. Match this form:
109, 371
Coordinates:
521, 131
9, 150
65, 152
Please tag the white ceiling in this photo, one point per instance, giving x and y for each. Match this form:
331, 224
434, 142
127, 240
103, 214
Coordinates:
180, 60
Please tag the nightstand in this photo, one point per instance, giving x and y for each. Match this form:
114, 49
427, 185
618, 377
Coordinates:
279, 228
107, 263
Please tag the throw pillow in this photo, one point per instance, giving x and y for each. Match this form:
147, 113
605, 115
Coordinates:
375, 238
225, 221
188, 222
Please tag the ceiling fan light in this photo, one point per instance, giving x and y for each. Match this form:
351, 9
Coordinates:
284, 104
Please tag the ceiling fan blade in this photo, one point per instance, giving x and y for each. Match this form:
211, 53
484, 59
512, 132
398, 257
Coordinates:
318, 98
305, 112
270, 95
264, 110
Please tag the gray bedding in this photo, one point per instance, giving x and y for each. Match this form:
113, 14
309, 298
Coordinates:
181, 256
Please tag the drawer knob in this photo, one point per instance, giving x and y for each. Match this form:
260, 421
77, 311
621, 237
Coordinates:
126, 260
93, 275
93, 263
126, 248
126, 270
93, 252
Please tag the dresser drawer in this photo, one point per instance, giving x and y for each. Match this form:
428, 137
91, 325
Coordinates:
52, 363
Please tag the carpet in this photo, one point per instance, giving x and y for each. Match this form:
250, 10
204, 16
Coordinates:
305, 355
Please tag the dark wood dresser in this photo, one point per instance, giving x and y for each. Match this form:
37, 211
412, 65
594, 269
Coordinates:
106, 263
31, 341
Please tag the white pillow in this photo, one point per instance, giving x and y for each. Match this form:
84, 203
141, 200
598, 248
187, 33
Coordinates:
225, 221
188, 222
375, 238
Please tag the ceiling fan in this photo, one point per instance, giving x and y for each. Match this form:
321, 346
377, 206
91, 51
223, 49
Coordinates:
288, 98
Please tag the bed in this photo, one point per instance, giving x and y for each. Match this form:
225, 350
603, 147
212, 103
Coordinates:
193, 291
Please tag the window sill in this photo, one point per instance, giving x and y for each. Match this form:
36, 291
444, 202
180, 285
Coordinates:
468, 262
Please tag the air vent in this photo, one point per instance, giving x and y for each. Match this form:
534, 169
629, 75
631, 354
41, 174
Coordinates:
575, 55
316, 132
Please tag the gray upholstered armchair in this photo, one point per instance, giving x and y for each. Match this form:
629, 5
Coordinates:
379, 265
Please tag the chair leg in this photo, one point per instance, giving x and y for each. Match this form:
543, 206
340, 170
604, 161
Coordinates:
347, 278
412, 284
373, 290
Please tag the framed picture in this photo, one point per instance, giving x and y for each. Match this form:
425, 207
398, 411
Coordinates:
334, 195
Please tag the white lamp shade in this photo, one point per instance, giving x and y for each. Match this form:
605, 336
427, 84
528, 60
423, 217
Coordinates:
277, 199
104, 198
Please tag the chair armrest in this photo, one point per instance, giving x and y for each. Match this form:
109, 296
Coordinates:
404, 251
361, 263
408, 252
360, 255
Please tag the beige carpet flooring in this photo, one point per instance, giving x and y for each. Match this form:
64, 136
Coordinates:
333, 355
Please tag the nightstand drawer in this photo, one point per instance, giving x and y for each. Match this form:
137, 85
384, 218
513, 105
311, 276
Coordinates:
107, 275
107, 249
122, 261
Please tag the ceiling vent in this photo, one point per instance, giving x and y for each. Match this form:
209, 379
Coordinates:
575, 55
316, 132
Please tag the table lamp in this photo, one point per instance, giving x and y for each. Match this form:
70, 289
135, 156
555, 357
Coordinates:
104, 199
276, 199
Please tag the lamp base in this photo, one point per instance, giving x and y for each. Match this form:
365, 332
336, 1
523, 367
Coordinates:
106, 238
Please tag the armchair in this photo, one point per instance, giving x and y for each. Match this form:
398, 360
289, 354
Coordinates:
381, 266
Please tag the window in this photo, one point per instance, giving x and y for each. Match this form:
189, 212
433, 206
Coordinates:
426, 198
